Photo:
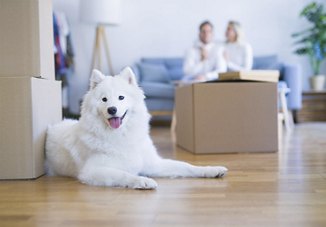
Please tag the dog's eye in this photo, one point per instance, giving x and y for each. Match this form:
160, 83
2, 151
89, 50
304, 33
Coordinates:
121, 97
104, 99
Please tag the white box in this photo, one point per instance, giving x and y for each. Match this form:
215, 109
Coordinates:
27, 107
26, 39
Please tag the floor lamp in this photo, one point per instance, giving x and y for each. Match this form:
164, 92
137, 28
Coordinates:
100, 41
101, 13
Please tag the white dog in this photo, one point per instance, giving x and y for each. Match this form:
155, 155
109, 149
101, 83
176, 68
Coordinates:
110, 144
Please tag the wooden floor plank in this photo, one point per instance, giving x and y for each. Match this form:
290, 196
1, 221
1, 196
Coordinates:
261, 189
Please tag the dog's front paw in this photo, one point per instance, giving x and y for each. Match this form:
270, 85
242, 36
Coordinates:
144, 183
215, 171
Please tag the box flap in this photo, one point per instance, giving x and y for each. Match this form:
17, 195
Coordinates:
252, 75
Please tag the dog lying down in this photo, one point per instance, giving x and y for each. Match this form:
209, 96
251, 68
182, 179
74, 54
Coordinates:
110, 144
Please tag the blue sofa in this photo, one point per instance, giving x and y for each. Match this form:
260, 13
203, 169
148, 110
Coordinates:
157, 75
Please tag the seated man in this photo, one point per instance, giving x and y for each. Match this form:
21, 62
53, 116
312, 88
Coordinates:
205, 59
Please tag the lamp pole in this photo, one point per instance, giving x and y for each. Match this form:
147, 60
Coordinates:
101, 40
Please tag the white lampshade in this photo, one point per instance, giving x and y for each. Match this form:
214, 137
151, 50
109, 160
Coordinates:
100, 11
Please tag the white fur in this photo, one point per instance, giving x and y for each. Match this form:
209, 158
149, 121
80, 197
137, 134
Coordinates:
98, 154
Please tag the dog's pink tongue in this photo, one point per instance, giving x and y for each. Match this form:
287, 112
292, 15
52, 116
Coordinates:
115, 122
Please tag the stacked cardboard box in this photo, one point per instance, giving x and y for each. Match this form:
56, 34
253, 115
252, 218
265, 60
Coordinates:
30, 98
230, 116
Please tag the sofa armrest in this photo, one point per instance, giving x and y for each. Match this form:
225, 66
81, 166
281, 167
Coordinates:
293, 78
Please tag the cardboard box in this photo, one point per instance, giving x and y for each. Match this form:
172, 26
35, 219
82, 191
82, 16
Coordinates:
27, 107
26, 40
223, 117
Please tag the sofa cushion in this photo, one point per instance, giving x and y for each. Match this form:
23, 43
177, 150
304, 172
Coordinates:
154, 73
172, 63
156, 61
175, 68
266, 62
158, 90
176, 73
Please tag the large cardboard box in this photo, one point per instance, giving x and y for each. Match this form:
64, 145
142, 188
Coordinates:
223, 117
26, 40
27, 107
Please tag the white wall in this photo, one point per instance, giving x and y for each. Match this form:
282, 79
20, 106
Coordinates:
154, 28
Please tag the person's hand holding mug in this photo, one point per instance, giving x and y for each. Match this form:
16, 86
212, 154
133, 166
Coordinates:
203, 54
226, 57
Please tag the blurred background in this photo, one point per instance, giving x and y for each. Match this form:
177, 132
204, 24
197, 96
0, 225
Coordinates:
156, 28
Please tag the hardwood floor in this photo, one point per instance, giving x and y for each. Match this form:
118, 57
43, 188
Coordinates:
287, 188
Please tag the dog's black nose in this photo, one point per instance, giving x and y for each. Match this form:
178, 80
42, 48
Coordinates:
112, 110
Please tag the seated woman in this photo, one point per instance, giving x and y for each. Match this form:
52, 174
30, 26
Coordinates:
237, 53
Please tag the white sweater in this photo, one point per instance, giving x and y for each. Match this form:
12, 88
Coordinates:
194, 66
239, 56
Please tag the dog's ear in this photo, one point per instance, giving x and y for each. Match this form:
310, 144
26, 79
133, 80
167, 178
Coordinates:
96, 78
129, 75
